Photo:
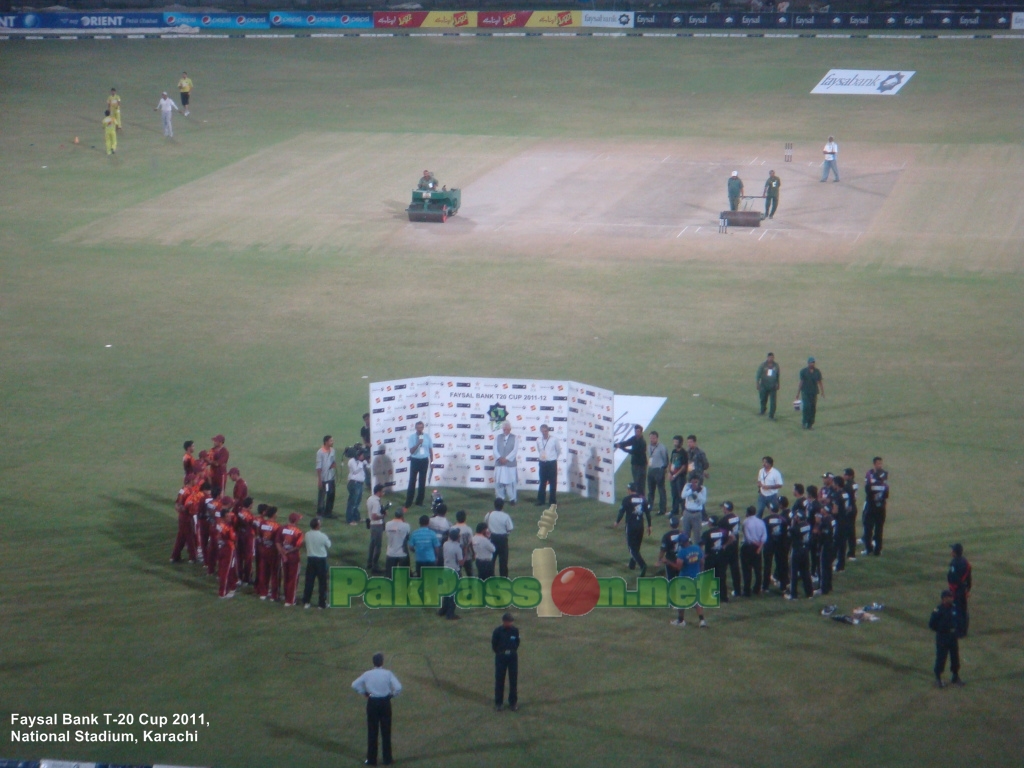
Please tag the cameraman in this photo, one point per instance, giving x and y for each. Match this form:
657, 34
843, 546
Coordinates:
357, 469
695, 497
375, 512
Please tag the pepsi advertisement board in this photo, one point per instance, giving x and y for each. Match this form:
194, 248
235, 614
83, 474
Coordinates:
217, 20
293, 19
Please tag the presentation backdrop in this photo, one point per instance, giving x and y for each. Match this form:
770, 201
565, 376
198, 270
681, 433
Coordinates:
464, 415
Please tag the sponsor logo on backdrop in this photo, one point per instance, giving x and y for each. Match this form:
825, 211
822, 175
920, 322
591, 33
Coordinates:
614, 19
1017, 21
862, 82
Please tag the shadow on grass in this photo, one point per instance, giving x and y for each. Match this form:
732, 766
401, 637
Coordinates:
23, 666
881, 417
881, 661
317, 740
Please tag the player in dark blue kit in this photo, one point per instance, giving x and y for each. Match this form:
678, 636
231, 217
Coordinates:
731, 520
800, 533
634, 508
777, 547
669, 544
715, 540
876, 491
505, 644
945, 623
689, 561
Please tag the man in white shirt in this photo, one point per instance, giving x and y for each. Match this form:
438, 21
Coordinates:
357, 469
548, 450
769, 480
451, 555
421, 451
379, 686
483, 551
164, 106
506, 476
440, 524
831, 153
375, 511
695, 499
500, 526
317, 544
397, 553
326, 470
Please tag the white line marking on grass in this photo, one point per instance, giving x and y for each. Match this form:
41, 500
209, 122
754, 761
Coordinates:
683, 230
762, 236
696, 230
667, 157
579, 228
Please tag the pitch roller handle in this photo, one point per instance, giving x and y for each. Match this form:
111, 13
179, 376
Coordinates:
545, 568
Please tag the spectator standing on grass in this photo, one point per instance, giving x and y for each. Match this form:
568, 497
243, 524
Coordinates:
397, 532
831, 154
699, 463
755, 536
808, 389
767, 382
959, 579
769, 481
771, 198
483, 552
945, 622
636, 447
452, 557
548, 450
421, 450
375, 513
500, 526
423, 543
379, 686
657, 463
694, 499
677, 473
357, 469
164, 107
735, 189
317, 544
506, 474
326, 471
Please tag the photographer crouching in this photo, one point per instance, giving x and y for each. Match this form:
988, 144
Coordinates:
376, 511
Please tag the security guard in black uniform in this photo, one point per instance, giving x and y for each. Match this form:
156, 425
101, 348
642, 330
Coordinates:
800, 532
945, 623
505, 644
715, 540
634, 508
731, 520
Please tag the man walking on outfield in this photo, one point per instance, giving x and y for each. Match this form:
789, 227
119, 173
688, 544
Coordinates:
767, 382
771, 195
164, 106
808, 389
831, 153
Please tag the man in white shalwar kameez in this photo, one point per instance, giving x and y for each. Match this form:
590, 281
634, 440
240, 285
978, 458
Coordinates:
506, 446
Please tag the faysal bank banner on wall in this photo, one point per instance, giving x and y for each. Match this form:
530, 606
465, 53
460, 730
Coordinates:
463, 416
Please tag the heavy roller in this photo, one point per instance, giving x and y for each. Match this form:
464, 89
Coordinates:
432, 204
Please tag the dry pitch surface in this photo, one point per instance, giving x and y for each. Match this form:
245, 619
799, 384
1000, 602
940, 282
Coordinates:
908, 205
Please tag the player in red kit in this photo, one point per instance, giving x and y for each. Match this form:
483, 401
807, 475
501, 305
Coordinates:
269, 564
241, 489
186, 527
245, 527
289, 540
227, 568
218, 457
188, 461
196, 504
215, 513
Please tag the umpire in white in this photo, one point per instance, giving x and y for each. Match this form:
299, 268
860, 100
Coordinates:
379, 686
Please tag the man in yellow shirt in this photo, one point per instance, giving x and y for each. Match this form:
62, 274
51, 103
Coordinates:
110, 132
114, 105
185, 88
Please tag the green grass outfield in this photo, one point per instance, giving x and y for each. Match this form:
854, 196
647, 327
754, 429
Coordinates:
922, 356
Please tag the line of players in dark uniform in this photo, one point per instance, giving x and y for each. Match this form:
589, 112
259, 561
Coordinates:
807, 540
224, 534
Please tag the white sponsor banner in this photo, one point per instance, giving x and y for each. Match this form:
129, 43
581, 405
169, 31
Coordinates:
863, 82
631, 410
463, 416
1017, 21
614, 19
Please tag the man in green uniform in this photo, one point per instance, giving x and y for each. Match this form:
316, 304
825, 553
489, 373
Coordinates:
427, 181
768, 384
735, 190
807, 390
771, 194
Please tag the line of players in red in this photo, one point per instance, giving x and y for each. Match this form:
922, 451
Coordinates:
222, 532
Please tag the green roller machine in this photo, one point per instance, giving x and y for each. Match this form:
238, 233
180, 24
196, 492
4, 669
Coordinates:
430, 203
